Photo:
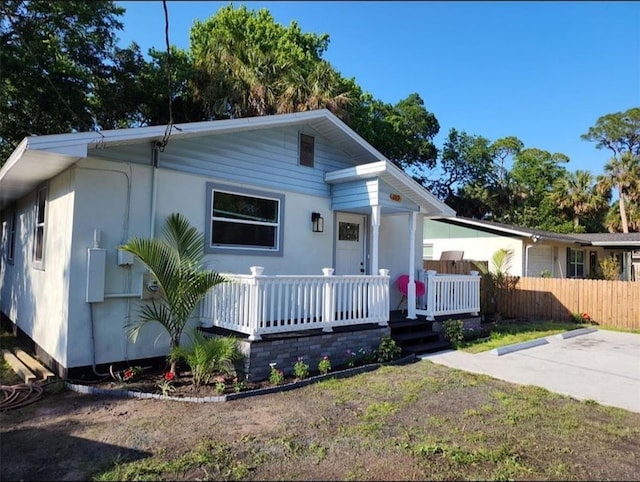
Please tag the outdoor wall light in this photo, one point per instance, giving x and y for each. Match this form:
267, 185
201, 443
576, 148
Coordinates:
317, 222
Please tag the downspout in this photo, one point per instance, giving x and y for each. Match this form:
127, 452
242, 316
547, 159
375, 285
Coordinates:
155, 158
534, 239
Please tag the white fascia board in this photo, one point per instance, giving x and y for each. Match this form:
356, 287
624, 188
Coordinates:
13, 158
95, 139
615, 243
495, 228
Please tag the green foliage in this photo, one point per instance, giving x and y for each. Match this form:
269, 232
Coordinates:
500, 282
454, 331
52, 54
276, 377
388, 350
324, 366
207, 356
610, 268
176, 263
300, 369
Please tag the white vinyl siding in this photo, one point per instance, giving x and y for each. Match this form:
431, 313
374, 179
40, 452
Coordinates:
266, 158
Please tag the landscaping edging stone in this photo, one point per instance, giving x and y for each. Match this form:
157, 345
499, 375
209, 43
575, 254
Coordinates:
89, 390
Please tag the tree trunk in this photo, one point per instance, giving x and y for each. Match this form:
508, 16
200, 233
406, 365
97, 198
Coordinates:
623, 211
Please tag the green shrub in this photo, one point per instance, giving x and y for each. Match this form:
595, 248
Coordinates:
208, 356
301, 369
388, 350
454, 331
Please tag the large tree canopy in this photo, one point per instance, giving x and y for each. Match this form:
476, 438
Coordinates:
620, 133
63, 72
52, 51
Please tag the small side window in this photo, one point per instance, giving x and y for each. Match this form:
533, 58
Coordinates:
306, 150
39, 226
11, 236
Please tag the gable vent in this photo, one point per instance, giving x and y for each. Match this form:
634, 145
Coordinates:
306, 150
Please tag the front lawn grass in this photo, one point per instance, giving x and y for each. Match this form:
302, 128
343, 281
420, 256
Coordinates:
416, 422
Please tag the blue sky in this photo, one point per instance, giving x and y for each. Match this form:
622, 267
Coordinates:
541, 71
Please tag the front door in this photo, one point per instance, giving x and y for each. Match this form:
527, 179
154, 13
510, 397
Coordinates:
350, 244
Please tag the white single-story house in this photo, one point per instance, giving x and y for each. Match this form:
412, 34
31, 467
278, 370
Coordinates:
535, 252
294, 208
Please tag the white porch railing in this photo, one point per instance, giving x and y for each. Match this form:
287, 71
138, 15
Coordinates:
257, 305
449, 294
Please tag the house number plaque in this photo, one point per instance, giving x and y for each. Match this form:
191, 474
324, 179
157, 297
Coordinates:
395, 197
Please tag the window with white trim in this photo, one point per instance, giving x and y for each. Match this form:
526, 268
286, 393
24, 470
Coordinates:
39, 225
11, 235
243, 221
427, 251
575, 263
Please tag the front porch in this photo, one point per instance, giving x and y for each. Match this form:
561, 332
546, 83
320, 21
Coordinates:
258, 305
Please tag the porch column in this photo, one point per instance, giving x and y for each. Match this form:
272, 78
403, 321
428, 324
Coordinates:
375, 231
411, 289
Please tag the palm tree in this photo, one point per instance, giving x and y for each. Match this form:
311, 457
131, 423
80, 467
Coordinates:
577, 194
176, 264
622, 174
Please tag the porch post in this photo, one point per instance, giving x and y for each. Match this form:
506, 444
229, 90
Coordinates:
411, 289
375, 231
328, 308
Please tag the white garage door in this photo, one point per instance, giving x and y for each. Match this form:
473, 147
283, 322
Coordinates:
540, 259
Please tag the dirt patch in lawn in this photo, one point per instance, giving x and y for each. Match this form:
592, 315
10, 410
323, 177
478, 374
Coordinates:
414, 422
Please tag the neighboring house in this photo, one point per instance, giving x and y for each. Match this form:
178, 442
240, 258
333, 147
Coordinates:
535, 252
291, 194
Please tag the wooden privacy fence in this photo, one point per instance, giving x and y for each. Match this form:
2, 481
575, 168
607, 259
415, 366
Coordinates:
609, 303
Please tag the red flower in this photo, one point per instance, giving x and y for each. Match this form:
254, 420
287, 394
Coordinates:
585, 316
128, 374
169, 376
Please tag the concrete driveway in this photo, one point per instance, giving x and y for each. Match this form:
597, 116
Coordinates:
601, 365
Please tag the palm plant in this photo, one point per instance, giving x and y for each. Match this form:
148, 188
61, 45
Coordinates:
576, 193
622, 174
206, 356
500, 282
176, 264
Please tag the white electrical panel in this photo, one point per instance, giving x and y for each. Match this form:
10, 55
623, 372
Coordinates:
96, 268
125, 258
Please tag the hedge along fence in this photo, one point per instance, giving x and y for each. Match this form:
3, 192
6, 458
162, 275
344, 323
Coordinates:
609, 303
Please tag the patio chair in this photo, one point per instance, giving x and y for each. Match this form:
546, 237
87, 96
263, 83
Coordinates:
403, 286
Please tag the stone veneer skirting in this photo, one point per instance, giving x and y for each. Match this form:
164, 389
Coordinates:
284, 351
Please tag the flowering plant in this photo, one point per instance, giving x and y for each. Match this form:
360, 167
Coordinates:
166, 384
277, 376
127, 375
351, 359
586, 317
324, 365
301, 369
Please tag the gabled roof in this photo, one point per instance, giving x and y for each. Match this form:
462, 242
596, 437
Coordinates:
398, 180
585, 239
39, 158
